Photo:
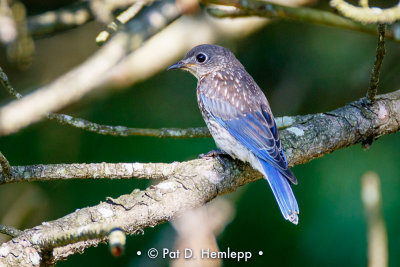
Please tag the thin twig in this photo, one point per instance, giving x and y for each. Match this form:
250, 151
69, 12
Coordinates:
5, 165
380, 53
125, 131
245, 8
6, 83
10, 231
121, 20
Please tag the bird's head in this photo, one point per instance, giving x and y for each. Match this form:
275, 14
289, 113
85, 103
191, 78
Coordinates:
204, 59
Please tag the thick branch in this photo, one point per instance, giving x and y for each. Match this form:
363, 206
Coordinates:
191, 184
87, 171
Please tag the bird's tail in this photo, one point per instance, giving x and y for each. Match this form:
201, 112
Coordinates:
282, 191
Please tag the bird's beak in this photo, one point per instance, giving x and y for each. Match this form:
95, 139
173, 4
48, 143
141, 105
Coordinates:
177, 65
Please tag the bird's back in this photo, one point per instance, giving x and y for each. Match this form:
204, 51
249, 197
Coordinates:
235, 86
233, 96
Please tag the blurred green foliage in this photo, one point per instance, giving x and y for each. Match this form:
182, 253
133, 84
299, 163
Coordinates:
302, 69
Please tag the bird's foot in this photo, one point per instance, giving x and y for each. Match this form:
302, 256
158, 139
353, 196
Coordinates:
213, 153
219, 155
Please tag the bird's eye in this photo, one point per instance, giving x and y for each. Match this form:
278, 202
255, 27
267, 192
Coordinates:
201, 58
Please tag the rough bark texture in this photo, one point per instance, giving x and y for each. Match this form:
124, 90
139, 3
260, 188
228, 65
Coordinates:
191, 184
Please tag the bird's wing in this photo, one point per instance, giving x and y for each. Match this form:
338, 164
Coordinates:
255, 128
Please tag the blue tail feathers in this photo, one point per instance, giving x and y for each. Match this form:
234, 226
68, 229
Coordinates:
283, 193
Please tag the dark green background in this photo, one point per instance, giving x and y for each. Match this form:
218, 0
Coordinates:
302, 69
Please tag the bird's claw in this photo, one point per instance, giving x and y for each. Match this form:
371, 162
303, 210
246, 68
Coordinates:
213, 153
218, 154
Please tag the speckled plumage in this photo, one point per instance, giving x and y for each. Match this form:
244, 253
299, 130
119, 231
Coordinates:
239, 118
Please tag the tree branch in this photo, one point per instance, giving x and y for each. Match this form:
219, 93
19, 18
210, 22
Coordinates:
367, 14
87, 171
125, 131
245, 8
6, 83
191, 184
10, 231
198, 132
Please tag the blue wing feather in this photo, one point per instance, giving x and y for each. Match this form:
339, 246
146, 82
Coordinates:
253, 131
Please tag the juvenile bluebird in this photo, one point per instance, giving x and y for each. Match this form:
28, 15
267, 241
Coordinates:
239, 118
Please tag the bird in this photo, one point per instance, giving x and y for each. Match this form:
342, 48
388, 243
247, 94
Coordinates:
239, 118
